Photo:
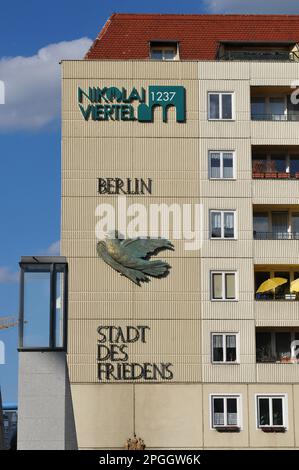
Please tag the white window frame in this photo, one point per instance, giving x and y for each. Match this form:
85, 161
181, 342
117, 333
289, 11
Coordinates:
163, 48
225, 396
224, 334
284, 397
223, 285
221, 93
222, 212
221, 152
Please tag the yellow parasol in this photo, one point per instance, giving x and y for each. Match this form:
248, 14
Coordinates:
271, 284
295, 285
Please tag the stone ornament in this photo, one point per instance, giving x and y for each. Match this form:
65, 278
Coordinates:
135, 443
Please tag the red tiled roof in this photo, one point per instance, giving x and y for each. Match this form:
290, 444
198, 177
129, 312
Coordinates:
127, 36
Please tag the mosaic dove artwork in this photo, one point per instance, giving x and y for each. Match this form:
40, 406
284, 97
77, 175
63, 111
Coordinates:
131, 257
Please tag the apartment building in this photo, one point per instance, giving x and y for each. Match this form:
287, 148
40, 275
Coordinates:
197, 358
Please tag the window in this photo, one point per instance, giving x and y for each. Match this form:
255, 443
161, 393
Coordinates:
223, 285
224, 347
43, 303
225, 411
164, 51
221, 165
271, 411
221, 106
222, 224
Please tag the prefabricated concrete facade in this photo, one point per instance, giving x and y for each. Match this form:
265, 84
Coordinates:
178, 309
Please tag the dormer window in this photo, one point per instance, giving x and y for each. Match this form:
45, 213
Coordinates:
164, 50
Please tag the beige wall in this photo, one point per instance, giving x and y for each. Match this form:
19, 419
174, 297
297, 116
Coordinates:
178, 308
176, 416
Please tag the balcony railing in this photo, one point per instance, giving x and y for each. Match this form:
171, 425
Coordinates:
269, 296
276, 235
275, 117
276, 56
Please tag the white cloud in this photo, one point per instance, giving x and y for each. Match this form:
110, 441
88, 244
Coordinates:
53, 249
253, 6
6, 275
32, 85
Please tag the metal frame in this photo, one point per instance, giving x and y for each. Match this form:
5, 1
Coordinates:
51, 262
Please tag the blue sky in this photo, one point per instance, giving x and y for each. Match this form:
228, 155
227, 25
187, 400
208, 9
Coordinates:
34, 35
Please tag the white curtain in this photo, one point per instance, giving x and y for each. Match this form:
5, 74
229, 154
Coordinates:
230, 341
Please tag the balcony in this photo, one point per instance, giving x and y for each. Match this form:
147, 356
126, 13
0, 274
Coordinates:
285, 292
275, 162
274, 104
277, 346
268, 51
260, 56
275, 222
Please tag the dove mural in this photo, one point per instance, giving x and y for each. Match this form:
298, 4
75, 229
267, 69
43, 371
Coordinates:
131, 257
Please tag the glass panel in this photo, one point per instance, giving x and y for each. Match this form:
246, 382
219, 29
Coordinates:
213, 106
264, 412
232, 412
228, 170
218, 348
280, 225
295, 226
217, 285
59, 313
215, 165
231, 348
229, 219
277, 108
277, 411
258, 107
259, 164
169, 54
157, 54
230, 288
278, 163
36, 309
218, 412
281, 291
260, 225
227, 112
216, 224
293, 110
294, 165
260, 277
283, 345
263, 347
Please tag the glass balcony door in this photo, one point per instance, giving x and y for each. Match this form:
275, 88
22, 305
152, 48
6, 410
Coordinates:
269, 108
277, 108
280, 225
295, 225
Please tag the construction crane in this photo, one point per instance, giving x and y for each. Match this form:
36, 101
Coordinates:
8, 322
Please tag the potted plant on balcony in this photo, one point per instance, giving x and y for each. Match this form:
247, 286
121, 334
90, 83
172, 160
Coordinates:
285, 358
283, 175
